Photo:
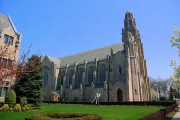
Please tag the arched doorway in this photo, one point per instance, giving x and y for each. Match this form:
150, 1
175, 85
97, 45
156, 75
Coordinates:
119, 95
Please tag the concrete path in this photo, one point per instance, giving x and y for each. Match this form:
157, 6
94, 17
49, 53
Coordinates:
177, 115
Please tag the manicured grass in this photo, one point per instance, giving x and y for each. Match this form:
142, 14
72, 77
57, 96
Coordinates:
108, 112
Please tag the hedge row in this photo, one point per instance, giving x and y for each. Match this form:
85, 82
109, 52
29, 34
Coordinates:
140, 103
161, 114
64, 116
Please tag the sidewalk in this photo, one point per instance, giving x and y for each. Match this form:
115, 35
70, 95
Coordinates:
177, 115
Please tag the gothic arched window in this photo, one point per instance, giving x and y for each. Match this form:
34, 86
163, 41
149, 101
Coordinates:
71, 72
80, 75
102, 73
46, 80
120, 70
90, 74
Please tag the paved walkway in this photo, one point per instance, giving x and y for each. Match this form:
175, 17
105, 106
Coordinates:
177, 115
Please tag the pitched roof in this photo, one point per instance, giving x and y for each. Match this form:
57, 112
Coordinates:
99, 53
5, 22
55, 60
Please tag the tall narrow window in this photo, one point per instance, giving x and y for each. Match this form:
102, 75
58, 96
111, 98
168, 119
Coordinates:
62, 79
80, 76
90, 74
130, 24
102, 73
120, 70
58, 84
46, 80
10, 40
71, 76
127, 24
6, 39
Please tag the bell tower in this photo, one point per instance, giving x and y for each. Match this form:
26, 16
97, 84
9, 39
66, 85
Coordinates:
137, 85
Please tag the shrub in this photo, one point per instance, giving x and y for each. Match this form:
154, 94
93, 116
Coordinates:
17, 107
160, 115
5, 107
10, 98
162, 98
64, 116
23, 101
10, 109
140, 103
75, 99
1, 104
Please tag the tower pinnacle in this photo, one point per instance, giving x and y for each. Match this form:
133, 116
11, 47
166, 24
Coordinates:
129, 21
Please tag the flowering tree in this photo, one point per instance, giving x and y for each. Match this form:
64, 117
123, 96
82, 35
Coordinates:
175, 42
13, 68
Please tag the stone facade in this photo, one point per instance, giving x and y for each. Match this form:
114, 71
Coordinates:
8, 35
118, 72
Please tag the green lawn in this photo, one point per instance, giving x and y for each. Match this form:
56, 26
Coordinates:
108, 112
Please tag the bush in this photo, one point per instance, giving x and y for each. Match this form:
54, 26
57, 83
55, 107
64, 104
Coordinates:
10, 98
23, 101
5, 107
1, 104
64, 116
160, 115
17, 107
139, 103
162, 98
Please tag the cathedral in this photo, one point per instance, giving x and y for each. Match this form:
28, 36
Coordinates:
118, 72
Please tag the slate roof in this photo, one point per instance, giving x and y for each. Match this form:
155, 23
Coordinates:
99, 53
5, 22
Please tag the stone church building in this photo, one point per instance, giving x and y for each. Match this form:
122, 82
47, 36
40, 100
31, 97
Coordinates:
118, 72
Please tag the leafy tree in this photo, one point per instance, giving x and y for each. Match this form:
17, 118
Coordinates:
10, 98
175, 42
153, 93
30, 83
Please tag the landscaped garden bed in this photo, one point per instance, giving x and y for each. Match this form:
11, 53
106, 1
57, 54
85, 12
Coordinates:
64, 116
18, 108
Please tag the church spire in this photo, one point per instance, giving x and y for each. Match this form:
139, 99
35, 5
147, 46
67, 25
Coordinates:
129, 21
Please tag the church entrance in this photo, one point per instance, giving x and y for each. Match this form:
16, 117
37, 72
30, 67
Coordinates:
119, 95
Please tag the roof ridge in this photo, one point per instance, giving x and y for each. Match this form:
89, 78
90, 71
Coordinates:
52, 57
3, 15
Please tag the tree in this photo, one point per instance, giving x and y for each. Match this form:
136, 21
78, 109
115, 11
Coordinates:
153, 93
12, 68
30, 83
10, 98
175, 42
172, 92
159, 85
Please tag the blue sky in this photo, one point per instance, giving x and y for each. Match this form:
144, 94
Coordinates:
64, 27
